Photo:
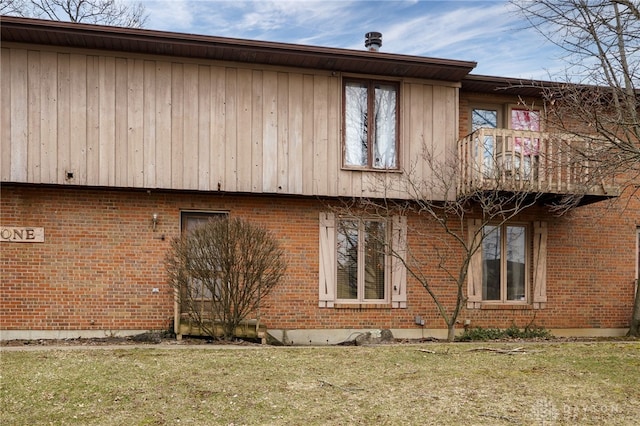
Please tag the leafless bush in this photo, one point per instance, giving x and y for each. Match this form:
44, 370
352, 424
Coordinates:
221, 272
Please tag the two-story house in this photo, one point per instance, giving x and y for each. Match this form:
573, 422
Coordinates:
114, 141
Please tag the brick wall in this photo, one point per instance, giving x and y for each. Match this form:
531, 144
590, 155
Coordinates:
101, 260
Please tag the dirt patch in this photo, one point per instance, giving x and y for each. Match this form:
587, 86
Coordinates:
160, 338
140, 339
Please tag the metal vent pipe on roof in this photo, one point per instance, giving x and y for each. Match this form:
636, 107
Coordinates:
373, 41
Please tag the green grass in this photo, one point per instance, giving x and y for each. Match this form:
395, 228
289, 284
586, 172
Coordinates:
551, 383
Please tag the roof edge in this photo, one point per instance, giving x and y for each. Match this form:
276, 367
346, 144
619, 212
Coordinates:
26, 30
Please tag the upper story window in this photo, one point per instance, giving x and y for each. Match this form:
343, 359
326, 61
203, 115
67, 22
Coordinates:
515, 154
370, 124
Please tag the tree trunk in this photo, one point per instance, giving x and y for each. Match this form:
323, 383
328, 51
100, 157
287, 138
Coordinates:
451, 332
634, 329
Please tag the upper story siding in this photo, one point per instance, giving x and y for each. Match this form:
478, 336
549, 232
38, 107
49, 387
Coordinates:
101, 118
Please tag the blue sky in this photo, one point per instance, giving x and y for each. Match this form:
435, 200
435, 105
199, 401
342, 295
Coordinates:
488, 32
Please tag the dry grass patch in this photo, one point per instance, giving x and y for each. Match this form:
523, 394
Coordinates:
576, 383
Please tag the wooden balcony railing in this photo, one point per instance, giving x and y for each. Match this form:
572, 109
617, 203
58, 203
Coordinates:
521, 160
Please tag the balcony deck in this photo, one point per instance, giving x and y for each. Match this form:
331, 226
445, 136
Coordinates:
532, 162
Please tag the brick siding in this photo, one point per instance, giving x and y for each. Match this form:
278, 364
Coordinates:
101, 259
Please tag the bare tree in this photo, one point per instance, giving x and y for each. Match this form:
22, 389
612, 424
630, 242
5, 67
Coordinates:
599, 100
222, 271
467, 219
106, 12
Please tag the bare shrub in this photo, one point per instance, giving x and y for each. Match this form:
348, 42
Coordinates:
221, 272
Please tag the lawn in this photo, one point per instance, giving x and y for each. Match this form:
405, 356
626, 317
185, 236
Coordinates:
446, 384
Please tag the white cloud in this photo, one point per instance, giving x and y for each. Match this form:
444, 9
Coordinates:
484, 31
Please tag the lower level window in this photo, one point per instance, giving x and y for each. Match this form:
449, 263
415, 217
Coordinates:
504, 266
198, 292
361, 260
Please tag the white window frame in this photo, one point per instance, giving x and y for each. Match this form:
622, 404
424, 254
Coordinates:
503, 274
395, 271
536, 283
361, 264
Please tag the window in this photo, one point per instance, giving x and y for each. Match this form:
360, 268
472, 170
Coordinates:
510, 266
517, 156
486, 118
356, 264
361, 260
525, 149
198, 290
504, 253
370, 124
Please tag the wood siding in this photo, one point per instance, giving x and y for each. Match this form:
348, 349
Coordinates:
90, 118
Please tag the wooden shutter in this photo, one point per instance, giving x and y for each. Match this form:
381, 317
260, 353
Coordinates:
474, 272
539, 265
398, 268
327, 281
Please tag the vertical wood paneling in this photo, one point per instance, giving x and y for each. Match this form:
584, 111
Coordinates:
190, 127
218, 135
5, 119
320, 117
244, 119
149, 147
93, 120
146, 123
78, 124
204, 128
163, 142
231, 125
451, 131
283, 133
107, 120
439, 122
34, 111
294, 185
135, 118
64, 100
18, 113
415, 137
270, 132
121, 122
177, 123
429, 130
256, 148
334, 103
308, 134
49, 108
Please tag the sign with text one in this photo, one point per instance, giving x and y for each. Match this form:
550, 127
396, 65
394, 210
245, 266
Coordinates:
21, 234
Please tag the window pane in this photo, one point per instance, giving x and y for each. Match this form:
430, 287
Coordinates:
198, 291
356, 134
516, 248
347, 256
385, 132
484, 118
491, 256
523, 119
374, 260
488, 119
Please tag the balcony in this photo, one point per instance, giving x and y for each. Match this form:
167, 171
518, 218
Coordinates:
532, 162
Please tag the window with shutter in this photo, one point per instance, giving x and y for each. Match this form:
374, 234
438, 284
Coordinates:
359, 261
499, 270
